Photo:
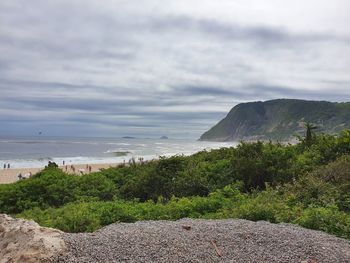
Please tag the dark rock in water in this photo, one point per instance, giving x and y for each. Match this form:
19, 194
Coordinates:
128, 137
163, 137
121, 153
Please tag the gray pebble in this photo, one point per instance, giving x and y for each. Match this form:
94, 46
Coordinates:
236, 240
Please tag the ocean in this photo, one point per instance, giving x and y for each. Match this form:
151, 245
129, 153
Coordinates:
36, 152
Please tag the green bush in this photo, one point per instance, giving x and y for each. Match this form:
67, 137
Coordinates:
269, 205
308, 185
328, 219
54, 188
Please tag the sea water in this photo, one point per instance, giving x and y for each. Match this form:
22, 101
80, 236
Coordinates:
36, 152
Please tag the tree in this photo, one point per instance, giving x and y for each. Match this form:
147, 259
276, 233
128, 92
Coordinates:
310, 135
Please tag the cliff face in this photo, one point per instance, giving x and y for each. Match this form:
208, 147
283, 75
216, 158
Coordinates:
279, 120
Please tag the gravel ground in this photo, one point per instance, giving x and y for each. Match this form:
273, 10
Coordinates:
235, 240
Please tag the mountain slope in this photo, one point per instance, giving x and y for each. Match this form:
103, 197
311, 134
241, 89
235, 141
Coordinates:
279, 119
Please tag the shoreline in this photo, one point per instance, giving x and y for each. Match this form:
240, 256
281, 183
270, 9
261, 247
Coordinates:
8, 176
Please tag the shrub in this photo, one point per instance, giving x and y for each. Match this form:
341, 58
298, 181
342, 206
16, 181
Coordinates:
328, 219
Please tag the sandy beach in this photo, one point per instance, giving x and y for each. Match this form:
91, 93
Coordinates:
10, 175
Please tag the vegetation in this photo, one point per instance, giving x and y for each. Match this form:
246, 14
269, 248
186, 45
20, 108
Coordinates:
307, 184
279, 120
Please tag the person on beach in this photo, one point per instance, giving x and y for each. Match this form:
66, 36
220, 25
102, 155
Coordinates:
4, 165
8, 166
89, 168
63, 162
20, 177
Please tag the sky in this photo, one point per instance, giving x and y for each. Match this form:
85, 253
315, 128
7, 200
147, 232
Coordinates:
148, 68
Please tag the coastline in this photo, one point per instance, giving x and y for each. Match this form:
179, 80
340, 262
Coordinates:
8, 176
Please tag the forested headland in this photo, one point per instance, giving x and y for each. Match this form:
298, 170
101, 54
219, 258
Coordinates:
279, 119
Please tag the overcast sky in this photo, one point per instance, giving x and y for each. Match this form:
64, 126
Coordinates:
148, 68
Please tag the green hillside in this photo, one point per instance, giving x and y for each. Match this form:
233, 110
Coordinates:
279, 119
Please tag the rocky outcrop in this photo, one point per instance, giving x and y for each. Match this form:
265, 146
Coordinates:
27, 242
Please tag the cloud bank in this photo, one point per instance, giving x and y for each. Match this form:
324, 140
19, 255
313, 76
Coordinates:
148, 68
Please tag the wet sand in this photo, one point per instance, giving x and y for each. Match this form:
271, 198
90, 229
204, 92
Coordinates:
10, 175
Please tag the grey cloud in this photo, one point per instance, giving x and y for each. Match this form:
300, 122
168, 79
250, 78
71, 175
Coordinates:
64, 66
264, 91
229, 31
269, 91
75, 49
206, 90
